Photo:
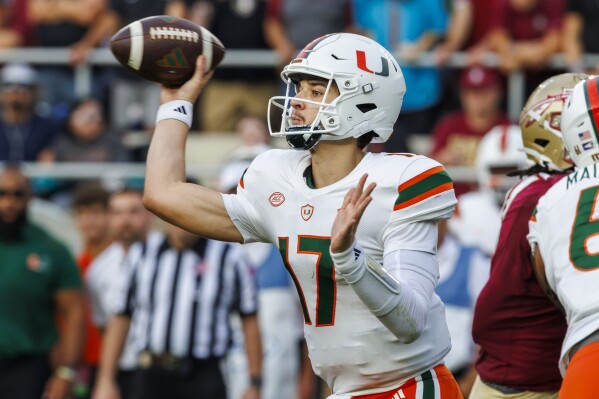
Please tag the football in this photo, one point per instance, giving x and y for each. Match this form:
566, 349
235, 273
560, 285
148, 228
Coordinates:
164, 49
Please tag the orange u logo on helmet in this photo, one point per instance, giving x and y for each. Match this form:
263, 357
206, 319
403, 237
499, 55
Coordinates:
361, 58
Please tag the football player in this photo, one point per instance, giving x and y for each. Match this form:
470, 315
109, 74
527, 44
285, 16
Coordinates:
517, 328
499, 152
357, 231
563, 236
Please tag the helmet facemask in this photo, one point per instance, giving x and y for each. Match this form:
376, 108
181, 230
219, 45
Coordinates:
370, 85
325, 123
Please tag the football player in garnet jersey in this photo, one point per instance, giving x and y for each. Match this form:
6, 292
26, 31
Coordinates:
563, 236
517, 328
357, 231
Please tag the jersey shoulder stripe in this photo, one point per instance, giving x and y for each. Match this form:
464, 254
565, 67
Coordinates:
533, 217
423, 186
241, 182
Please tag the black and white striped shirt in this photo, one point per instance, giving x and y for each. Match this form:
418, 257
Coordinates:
180, 302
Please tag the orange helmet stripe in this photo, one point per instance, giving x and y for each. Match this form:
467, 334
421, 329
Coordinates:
591, 93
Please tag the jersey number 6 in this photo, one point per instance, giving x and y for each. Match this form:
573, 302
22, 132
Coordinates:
584, 228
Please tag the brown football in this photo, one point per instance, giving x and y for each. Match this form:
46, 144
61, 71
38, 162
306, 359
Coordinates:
164, 49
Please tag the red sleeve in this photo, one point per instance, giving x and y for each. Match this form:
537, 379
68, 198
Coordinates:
441, 132
274, 9
500, 14
554, 9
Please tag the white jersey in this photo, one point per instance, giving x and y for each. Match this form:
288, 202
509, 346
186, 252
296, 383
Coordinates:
565, 226
349, 347
474, 207
107, 279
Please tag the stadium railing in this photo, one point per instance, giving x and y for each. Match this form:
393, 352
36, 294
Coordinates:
233, 59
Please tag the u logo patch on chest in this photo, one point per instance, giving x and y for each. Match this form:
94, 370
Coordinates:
307, 211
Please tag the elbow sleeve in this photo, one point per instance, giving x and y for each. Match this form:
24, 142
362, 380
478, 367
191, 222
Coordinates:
402, 305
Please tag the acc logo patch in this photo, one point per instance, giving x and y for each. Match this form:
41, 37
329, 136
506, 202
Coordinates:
276, 199
307, 211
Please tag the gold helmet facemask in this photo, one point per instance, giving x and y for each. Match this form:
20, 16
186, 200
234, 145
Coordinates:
541, 118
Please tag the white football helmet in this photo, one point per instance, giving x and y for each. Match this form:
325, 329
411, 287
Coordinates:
370, 83
580, 123
500, 151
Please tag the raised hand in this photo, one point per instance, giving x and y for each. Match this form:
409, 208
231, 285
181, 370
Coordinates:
355, 202
191, 89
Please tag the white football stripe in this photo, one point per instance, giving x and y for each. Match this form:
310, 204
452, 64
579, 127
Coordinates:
136, 52
207, 47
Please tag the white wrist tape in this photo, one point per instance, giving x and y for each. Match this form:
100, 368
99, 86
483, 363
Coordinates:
180, 110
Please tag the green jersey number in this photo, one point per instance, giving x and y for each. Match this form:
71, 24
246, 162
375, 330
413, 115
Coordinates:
326, 289
584, 228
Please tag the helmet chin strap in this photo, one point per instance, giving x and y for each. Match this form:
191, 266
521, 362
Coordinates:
302, 141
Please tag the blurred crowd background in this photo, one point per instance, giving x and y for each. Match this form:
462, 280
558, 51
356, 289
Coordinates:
74, 117
468, 65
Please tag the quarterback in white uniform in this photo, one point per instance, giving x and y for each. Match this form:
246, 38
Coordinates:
564, 235
348, 347
357, 231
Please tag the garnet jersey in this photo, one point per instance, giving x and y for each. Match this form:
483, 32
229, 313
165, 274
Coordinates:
519, 330
565, 226
349, 347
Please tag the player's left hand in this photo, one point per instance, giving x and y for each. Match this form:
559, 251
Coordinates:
345, 225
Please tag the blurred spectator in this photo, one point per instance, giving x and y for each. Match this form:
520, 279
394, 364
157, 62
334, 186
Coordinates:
90, 205
461, 16
458, 30
580, 33
523, 33
280, 317
235, 92
482, 14
109, 277
254, 136
286, 31
499, 152
77, 24
410, 28
182, 292
39, 282
87, 138
23, 132
133, 100
463, 272
14, 28
456, 136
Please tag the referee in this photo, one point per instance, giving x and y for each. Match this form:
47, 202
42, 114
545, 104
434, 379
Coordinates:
178, 304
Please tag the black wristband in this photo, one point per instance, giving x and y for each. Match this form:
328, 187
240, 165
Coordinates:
256, 382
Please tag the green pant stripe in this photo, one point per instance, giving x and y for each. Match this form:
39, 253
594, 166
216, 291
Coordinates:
428, 386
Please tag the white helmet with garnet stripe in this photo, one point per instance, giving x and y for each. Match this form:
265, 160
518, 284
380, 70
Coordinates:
580, 123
